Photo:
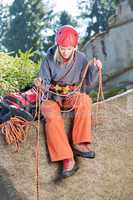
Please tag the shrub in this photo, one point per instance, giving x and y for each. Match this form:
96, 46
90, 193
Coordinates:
17, 73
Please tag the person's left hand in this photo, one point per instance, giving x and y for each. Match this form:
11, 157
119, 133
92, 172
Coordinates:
97, 63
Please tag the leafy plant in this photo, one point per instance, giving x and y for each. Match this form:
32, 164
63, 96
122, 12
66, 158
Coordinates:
17, 73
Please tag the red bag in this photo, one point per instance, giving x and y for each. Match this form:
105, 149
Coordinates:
22, 104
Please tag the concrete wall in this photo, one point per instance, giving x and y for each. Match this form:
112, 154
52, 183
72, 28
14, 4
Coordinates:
115, 48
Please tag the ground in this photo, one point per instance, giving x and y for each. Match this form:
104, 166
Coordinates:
107, 177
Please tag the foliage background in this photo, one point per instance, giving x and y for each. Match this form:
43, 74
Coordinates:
17, 73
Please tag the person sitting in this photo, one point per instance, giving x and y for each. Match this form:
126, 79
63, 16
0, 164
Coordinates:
60, 75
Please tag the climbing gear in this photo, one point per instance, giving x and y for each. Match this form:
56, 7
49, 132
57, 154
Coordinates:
66, 36
69, 168
100, 88
85, 154
37, 150
14, 131
77, 89
5, 112
63, 89
99, 94
83, 150
15, 115
22, 104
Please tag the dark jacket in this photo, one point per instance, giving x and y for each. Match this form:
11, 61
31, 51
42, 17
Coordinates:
67, 74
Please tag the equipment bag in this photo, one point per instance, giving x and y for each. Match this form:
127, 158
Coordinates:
22, 104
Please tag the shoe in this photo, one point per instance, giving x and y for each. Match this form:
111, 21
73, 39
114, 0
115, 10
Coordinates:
84, 151
85, 154
69, 168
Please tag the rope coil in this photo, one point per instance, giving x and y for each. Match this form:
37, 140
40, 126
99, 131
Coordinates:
14, 131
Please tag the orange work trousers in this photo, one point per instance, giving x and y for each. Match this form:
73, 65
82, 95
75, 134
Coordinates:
57, 140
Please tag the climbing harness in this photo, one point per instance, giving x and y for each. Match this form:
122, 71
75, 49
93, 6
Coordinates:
78, 87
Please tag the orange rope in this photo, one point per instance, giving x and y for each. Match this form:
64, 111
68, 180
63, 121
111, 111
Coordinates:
37, 96
99, 94
38, 146
14, 131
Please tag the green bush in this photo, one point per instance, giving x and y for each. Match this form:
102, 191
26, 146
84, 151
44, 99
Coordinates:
17, 73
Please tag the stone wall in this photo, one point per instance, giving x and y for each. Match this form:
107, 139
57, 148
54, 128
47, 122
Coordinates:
115, 48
